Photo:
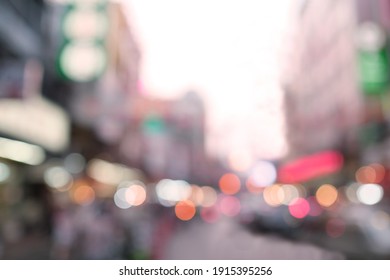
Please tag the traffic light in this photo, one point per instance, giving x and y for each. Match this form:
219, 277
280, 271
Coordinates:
82, 56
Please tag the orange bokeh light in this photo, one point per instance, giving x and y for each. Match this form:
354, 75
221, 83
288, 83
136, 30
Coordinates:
229, 183
373, 173
185, 210
271, 195
326, 195
83, 194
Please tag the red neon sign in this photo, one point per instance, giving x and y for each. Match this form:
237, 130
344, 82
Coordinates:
311, 167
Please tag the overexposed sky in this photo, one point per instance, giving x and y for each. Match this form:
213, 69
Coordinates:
227, 49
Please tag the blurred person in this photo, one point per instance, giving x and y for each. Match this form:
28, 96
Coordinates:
63, 233
164, 230
37, 209
89, 232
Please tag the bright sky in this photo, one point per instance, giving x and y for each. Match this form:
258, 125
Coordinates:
228, 50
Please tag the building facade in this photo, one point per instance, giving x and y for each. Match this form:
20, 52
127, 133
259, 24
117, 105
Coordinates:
322, 98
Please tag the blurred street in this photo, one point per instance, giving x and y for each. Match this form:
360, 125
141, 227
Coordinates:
227, 240
174, 129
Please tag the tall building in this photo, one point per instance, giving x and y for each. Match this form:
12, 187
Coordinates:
337, 80
24, 39
26, 114
33, 129
188, 116
105, 105
322, 98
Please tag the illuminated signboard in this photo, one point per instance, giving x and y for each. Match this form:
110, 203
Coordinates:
311, 167
36, 121
373, 58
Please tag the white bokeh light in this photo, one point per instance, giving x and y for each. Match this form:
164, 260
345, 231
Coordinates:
370, 194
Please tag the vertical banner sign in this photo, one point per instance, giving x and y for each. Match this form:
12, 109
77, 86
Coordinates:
84, 26
373, 59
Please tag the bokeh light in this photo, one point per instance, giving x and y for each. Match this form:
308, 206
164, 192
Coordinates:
58, 178
169, 192
229, 183
229, 205
301, 190
299, 208
373, 173
351, 192
21, 152
380, 172
83, 194
210, 214
197, 195
326, 195
130, 193
272, 195
120, 199
85, 23
135, 194
365, 175
287, 194
370, 194
185, 210
74, 163
5, 172
82, 61
263, 173
209, 196
110, 173
252, 187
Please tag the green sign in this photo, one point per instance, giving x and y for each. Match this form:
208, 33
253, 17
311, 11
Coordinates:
374, 71
373, 58
83, 55
153, 124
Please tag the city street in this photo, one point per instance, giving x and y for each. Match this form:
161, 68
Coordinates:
228, 240
133, 129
